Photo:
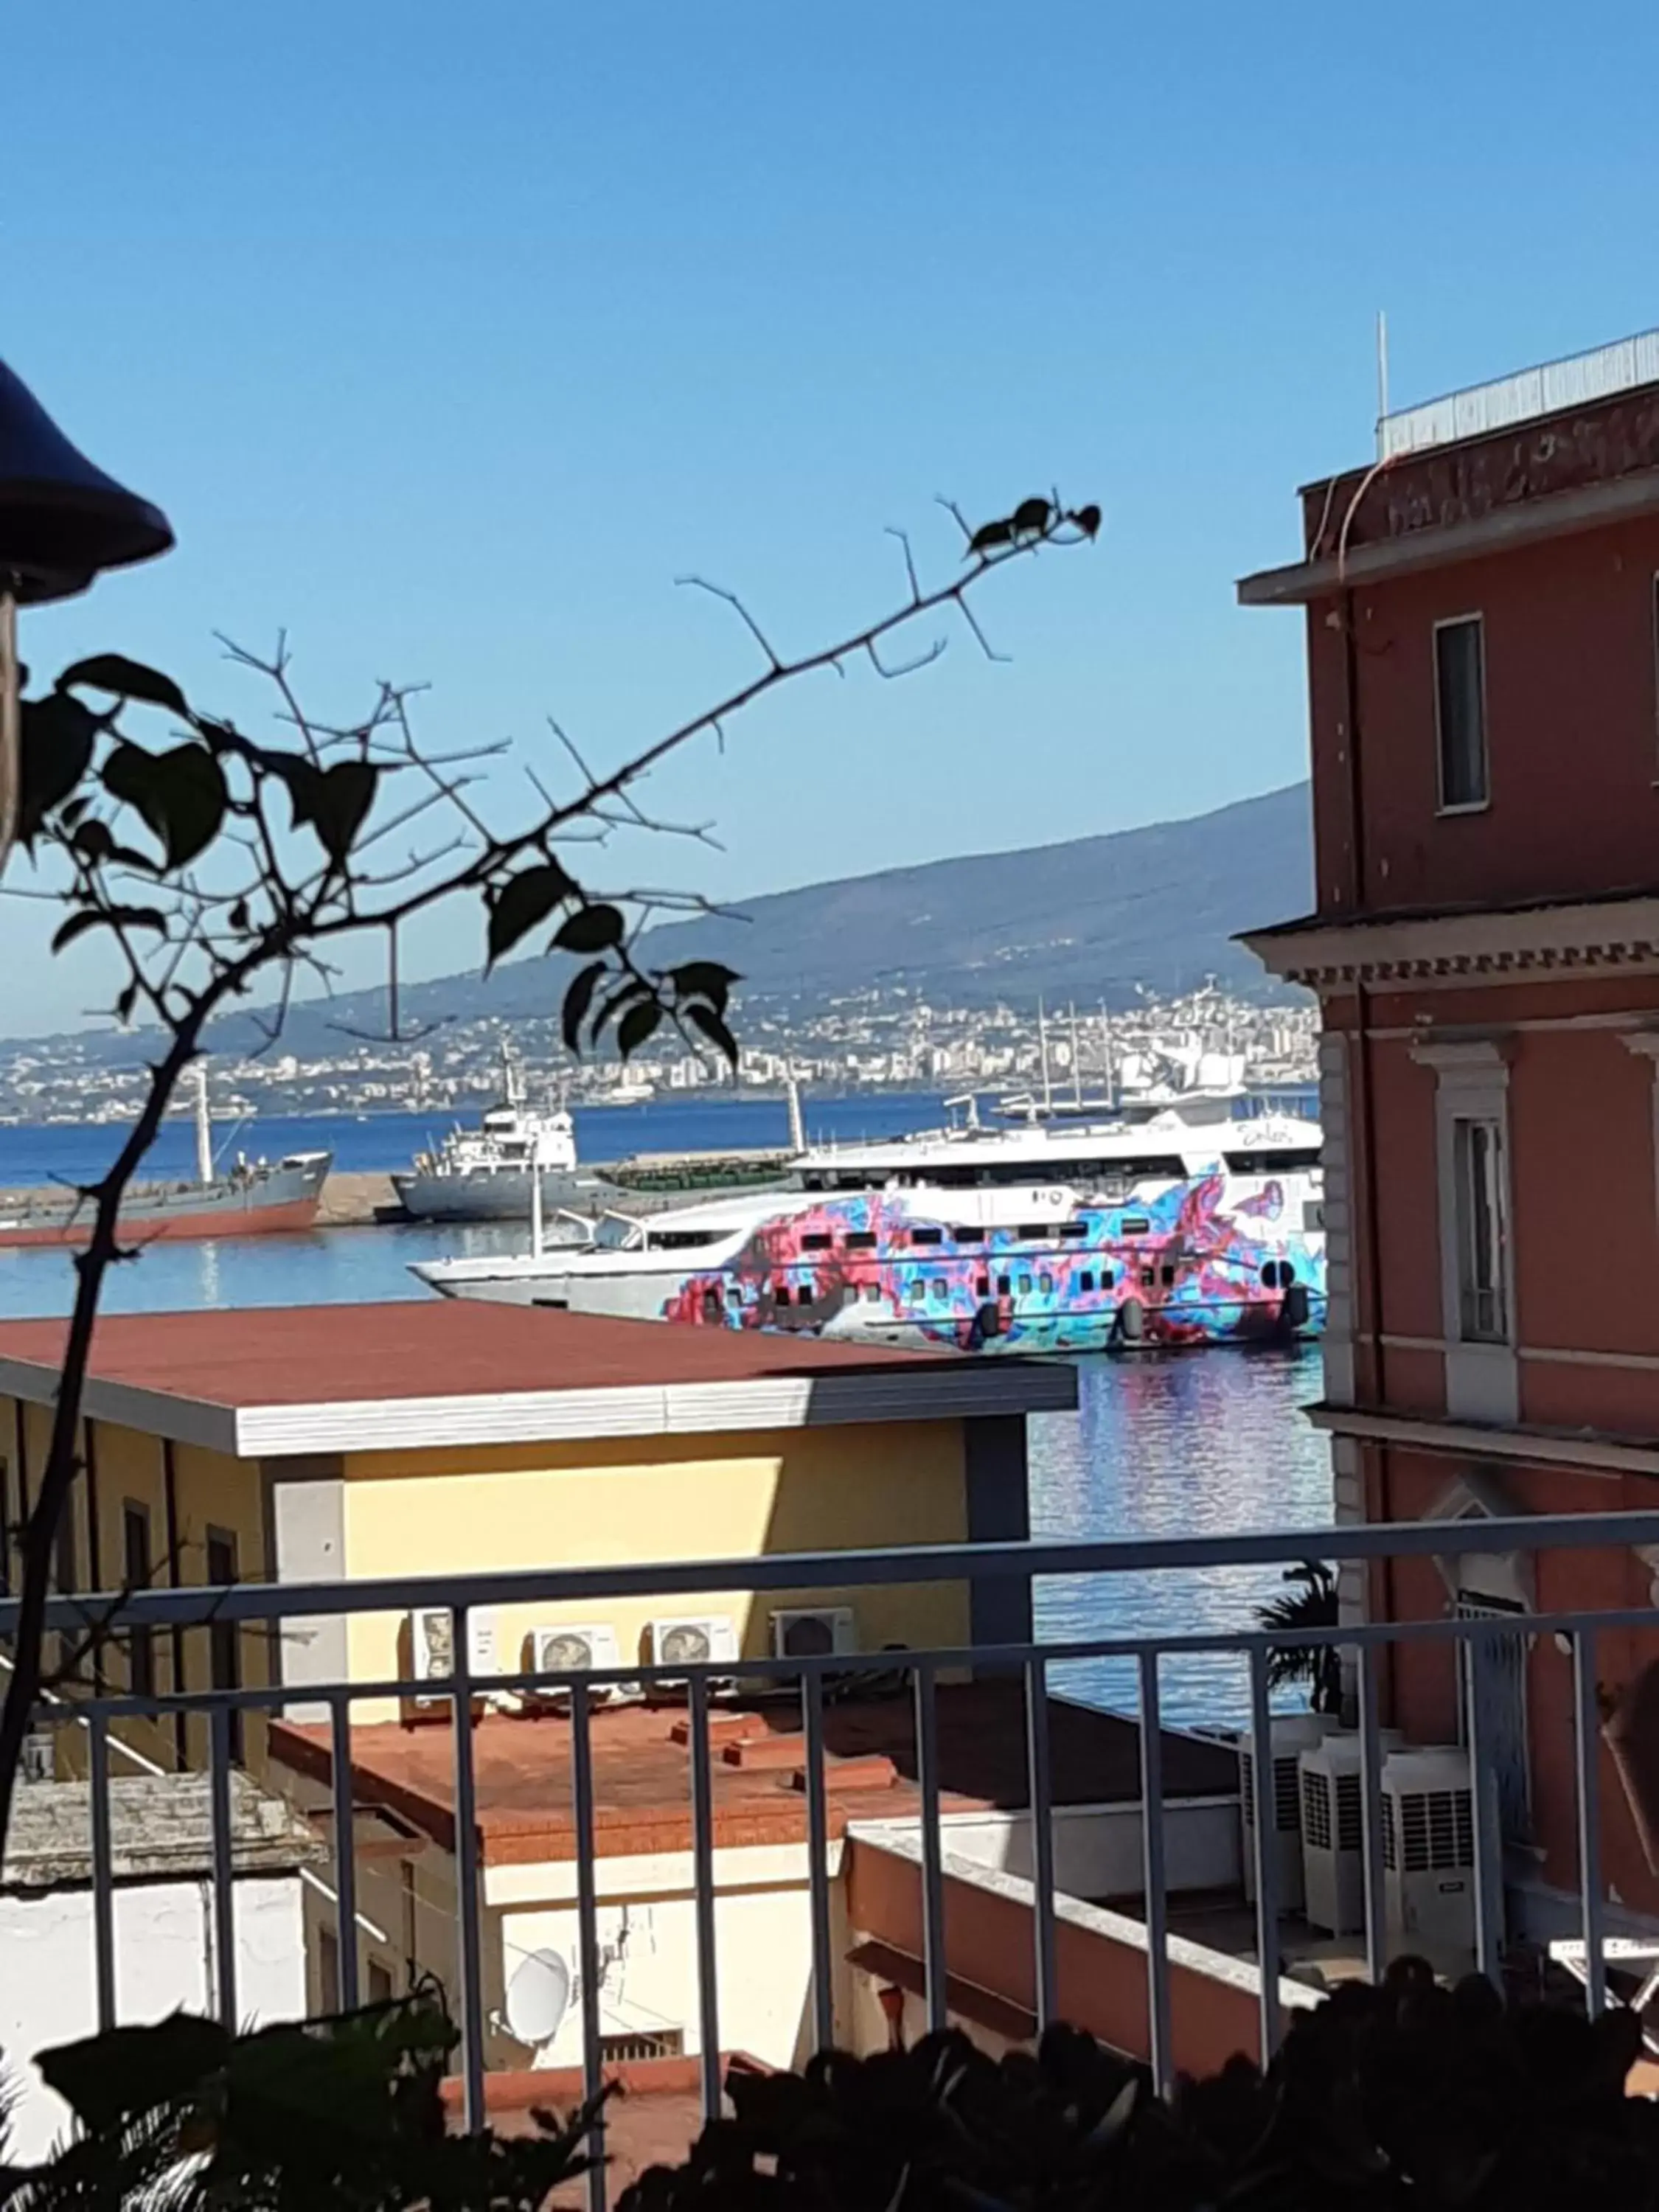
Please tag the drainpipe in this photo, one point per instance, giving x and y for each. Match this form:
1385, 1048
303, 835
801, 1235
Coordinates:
1365, 1094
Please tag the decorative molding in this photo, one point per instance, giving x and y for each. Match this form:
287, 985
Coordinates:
1589, 1452
1533, 944
1488, 1057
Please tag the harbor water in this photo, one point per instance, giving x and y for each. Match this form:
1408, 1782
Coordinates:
1207, 1443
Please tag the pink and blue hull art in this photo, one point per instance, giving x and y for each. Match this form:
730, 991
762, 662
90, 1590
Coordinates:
1195, 1266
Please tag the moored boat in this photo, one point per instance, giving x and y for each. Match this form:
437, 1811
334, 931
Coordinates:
1189, 1226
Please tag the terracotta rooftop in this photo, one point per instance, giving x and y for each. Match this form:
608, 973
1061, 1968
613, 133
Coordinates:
319, 1378
641, 1771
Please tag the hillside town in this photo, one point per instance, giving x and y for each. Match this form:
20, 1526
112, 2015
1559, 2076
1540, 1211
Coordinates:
879, 1040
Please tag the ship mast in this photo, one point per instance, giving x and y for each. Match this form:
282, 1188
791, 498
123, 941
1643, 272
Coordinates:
1042, 1049
203, 1127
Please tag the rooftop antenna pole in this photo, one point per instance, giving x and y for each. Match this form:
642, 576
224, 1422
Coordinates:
1382, 377
797, 1121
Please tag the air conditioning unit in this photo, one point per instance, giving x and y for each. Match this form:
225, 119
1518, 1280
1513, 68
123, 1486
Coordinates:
574, 1648
811, 1631
1333, 1830
1290, 1735
688, 1639
1428, 1854
432, 1646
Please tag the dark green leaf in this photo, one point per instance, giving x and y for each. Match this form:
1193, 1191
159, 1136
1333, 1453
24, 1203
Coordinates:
126, 1003
591, 929
105, 2078
94, 840
127, 679
523, 901
58, 735
180, 794
636, 1025
706, 1019
238, 916
632, 989
338, 805
71, 811
577, 1000
92, 917
705, 979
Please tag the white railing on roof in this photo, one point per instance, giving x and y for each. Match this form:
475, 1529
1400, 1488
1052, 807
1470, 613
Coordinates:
1477, 1640
1577, 381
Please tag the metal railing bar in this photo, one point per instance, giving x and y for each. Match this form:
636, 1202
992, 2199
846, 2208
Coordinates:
935, 1971
587, 1933
224, 1886
1485, 1817
702, 1859
345, 1847
1588, 1750
469, 1901
103, 1871
982, 1657
1160, 2034
199, 1605
1266, 1853
1040, 1783
818, 1862
1372, 1875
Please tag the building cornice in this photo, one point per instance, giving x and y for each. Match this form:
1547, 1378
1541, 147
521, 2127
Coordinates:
1530, 945
963, 1390
1590, 1451
1557, 514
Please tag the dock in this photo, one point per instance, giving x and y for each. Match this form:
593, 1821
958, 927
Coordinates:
357, 1199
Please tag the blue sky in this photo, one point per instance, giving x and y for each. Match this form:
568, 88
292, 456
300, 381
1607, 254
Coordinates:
448, 337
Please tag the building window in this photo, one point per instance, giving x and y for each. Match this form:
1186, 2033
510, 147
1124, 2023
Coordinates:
1005, 1285
380, 1983
940, 1291
1086, 1282
981, 1286
135, 1576
1460, 695
1046, 1284
1482, 1231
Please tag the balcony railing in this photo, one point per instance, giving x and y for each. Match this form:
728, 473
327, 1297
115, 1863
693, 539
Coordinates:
812, 1680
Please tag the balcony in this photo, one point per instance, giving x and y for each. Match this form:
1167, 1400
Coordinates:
665, 1868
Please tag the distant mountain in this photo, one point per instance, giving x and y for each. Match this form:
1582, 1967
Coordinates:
1086, 920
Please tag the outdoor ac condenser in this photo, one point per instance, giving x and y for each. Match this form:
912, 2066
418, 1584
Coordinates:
1333, 1830
1290, 1735
1428, 1854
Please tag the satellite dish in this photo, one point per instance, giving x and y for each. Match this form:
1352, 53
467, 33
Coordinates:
538, 1997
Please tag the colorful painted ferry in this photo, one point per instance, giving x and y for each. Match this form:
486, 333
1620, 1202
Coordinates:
1187, 1223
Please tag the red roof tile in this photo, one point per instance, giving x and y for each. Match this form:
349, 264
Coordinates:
427, 1348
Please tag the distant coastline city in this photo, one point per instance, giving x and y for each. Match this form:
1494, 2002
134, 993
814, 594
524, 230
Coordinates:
876, 1040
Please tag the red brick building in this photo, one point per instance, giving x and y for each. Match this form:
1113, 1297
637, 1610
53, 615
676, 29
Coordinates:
1483, 654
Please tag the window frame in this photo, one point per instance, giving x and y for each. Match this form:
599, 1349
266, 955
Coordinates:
1443, 805
140, 1642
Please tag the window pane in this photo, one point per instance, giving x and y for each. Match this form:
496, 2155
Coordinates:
1481, 1232
1460, 700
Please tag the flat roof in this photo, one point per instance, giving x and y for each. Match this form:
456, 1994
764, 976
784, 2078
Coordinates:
642, 1769
288, 1380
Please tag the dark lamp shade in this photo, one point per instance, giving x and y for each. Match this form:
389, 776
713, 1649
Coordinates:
62, 520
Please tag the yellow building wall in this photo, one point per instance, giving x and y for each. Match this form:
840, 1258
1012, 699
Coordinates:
214, 1494
637, 1500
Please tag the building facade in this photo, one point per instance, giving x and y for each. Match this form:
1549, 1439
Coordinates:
1482, 617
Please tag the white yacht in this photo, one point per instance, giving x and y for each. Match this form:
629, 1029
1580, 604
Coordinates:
1177, 1224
